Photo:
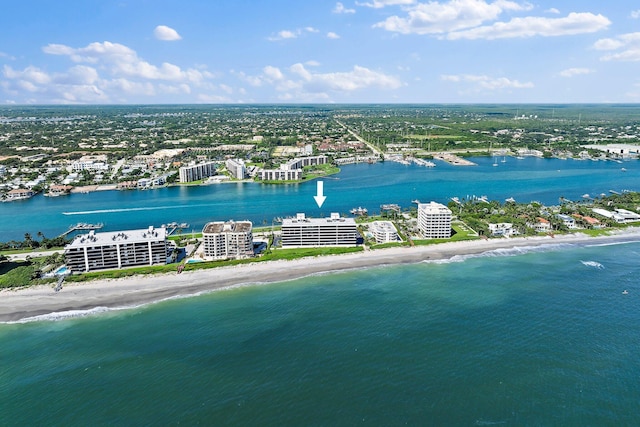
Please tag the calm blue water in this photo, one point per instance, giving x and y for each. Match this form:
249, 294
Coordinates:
544, 180
538, 337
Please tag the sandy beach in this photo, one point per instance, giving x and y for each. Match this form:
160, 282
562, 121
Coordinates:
26, 303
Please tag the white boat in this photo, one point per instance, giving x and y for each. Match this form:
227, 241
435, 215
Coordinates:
359, 211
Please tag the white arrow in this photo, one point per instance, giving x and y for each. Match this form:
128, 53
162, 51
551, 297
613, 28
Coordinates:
320, 198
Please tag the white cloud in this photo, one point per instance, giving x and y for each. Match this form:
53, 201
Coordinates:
358, 78
312, 63
378, 4
6, 55
437, 18
341, 9
553, 10
162, 32
626, 45
104, 73
272, 73
283, 35
302, 84
635, 14
485, 82
291, 34
570, 72
332, 35
121, 60
574, 23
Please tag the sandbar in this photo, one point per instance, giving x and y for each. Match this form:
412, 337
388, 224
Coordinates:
21, 304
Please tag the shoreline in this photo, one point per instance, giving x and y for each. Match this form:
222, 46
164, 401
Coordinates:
21, 304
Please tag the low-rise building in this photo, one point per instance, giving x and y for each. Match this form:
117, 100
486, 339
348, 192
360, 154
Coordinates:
384, 232
541, 225
223, 240
280, 174
317, 232
568, 221
628, 216
610, 215
19, 194
434, 220
112, 250
502, 229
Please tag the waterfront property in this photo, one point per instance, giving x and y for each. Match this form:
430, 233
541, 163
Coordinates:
434, 220
503, 229
19, 194
292, 170
109, 250
236, 168
280, 174
568, 221
223, 240
384, 232
197, 172
317, 232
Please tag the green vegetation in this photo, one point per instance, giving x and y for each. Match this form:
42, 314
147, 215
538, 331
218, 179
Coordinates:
16, 274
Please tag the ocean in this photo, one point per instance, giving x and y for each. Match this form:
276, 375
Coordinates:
529, 336
539, 336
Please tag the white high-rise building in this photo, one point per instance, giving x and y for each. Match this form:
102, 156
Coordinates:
434, 220
197, 172
317, 232
99, 251
236, 168
222, 240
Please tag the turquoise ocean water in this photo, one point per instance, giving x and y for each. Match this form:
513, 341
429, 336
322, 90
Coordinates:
540, 336
519, 337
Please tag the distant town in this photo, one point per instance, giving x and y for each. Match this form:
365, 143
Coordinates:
58, 150
54, 151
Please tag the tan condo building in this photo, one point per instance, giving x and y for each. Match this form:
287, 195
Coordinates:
223, 240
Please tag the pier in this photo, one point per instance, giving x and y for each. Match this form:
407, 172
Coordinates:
82, 226
173, 226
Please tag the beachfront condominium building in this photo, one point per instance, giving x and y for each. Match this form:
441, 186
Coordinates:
197, 172
236, 168
434, 220
100, 251
317, 232
384, 231
223, 240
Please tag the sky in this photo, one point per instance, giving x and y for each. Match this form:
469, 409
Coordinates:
319, 51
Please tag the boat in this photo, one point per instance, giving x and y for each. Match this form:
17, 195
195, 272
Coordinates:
416, 201
623, 169
359, 211
586, 196
510, 200
625, 292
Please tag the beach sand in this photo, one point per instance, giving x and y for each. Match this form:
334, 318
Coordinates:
26, 303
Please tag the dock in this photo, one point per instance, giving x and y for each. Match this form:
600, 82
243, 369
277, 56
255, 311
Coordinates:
173, 226
82, 226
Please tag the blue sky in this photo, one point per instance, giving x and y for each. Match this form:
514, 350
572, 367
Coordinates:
317, 51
